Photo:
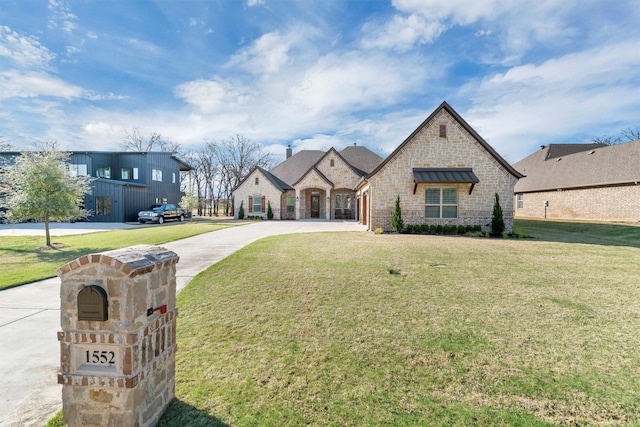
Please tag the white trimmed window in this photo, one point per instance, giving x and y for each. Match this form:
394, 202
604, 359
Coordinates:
257, 204
78, 169
520, 200
156, 174
103, 172
441, 202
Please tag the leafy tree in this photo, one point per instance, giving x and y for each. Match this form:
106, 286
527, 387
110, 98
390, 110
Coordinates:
396, 220
269, 211
39, 187
241, 211
497, 221
190, 202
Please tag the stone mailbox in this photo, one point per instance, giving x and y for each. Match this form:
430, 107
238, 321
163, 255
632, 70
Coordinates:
118, 339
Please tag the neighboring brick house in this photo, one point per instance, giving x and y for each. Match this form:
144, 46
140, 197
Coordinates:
580, 181
125, 182
444, 172
310, 184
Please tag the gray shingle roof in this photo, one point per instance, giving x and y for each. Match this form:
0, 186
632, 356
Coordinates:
292, 169
361, 158
596, 165
277, 182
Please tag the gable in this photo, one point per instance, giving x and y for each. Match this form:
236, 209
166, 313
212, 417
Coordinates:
456, 131
337, 170
314, 178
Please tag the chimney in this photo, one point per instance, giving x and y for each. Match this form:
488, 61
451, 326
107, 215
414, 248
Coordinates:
289, 151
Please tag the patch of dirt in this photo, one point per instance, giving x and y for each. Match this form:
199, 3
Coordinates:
53, 247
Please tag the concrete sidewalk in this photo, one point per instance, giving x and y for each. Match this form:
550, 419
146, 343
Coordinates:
30, 318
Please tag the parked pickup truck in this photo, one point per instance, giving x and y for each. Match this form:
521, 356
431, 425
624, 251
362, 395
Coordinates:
162, 213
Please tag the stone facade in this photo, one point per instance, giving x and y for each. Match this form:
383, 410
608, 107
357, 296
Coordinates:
613, 203
258, 185
426, 148
120, 371
329, 183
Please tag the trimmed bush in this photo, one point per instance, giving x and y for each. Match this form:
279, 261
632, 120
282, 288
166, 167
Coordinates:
497, 222
396, 220
241, 211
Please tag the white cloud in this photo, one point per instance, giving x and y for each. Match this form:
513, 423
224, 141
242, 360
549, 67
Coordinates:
61, 16
35, 84
533, 104
402, 33
24, 51
252, 3
355, 81
266, 55
209, 96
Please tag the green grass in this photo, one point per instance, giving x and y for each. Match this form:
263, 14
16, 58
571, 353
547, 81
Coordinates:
359, 329
22, 262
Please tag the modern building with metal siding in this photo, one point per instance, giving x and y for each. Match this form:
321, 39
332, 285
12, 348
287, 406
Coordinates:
125, 182
105, 202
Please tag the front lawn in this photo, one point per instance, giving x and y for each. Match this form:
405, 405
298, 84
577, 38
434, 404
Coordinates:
360, 329
22, 259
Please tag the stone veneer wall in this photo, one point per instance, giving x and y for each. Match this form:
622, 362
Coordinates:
141, 385
263, 188
428, 150
620, 203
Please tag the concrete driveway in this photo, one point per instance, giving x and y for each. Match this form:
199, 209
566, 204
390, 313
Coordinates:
30, 314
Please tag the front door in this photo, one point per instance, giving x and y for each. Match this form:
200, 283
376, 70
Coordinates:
315, 206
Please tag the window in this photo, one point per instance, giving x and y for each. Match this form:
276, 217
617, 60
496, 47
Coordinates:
257, 204
520, 200
103, 172
173, 177
156, 174
338, 201
128, 173
161, 200
103, 205
78, 169
257, 180
441, 202
443, 131
291, 204
332, 163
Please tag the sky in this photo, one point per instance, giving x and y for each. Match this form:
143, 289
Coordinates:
316, 74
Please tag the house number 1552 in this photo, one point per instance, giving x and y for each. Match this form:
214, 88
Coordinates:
97, 357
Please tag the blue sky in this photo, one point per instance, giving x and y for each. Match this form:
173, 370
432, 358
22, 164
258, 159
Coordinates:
316, 73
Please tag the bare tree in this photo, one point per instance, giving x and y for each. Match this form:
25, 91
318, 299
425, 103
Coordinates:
211, 169
626, 135
631, 134
134, 141
197, 178
237, 156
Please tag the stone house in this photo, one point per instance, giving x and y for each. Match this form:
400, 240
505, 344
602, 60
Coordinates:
444, 173
310, 184
580, 181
